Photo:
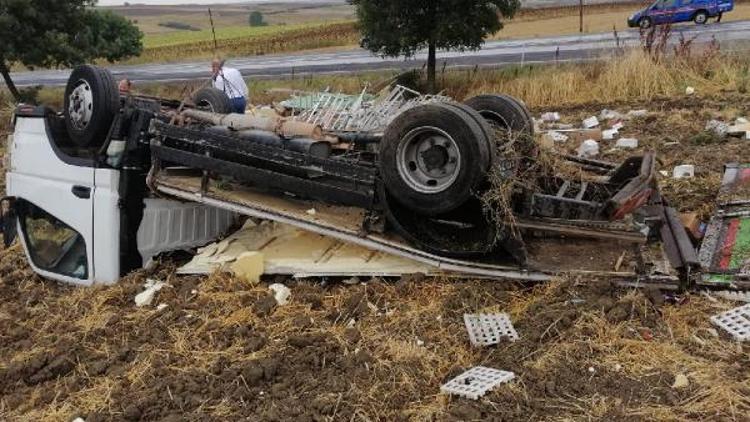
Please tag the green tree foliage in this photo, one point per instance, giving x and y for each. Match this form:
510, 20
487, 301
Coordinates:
48, 33
403, 27
256, 19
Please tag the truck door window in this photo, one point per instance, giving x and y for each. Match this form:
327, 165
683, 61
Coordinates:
53, 245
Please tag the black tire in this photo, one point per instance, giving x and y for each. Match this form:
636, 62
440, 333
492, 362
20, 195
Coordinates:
90, 111
645, 23
421, 125
212, 99
701, 17
483, 131
505, 112
511, 114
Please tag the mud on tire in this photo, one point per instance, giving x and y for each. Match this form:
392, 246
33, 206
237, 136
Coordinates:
91, 102
432, 157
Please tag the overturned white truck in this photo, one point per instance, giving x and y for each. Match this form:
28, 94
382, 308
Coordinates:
102, 187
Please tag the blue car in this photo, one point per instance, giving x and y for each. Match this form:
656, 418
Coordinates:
675, 11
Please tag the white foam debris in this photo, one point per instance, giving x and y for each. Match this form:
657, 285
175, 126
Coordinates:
476, 382
588, 149
683, 171
637, 113
551, 117
281, 293
609, 134
627, 143
145, 297
591, 122
607, 114
689, 90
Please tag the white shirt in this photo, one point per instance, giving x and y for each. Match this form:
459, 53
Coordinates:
230, 81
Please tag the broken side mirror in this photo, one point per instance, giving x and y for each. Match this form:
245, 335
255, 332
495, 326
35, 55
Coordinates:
8, 221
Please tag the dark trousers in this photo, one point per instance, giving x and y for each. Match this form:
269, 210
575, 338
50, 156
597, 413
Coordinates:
239, 104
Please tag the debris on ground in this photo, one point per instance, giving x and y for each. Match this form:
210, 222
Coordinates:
281, 293
609, 134
627, 143
680, 381
551, 117
249, 266
736, 322
733, 296
717, 127
689, 90
588, 149
637, 113
476, 382
683, 171
146, 297
489, 329
590, 122
607, 114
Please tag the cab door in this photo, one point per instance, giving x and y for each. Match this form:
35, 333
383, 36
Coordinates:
53, 195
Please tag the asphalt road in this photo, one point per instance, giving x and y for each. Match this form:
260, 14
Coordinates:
494, 53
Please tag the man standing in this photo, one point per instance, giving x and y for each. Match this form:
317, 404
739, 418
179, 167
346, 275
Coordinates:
230, 81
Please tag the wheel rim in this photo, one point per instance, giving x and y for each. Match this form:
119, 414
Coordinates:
81, 105
701, 18
645, 23
429, 160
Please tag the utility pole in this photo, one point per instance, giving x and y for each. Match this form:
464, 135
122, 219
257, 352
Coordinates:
213, 30
580, 9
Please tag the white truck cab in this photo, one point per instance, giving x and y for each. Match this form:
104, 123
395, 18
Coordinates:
83, 222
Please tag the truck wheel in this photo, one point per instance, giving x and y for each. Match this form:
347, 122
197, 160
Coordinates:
213, 100
645, 23
701, 17
507, 113
91, 102
430, 158
486, 149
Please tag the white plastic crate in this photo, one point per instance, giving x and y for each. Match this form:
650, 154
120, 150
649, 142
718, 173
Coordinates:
476, 382
736, 322
489, 329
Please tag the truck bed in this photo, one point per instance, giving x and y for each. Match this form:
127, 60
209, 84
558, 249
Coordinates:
548, 256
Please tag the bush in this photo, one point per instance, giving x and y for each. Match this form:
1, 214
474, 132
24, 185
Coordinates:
256, 19
179, 25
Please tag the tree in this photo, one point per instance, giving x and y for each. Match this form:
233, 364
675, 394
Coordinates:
256, 19
403, 27
43, 33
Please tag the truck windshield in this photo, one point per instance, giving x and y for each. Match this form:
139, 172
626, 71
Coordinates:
53, 245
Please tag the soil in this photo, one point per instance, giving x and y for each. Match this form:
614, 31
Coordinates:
222, 349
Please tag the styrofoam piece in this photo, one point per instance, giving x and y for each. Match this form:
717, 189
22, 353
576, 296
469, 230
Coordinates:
627, 143
558, 137
718, 127
617, 126
489, 329
736, 322
609, 134
607, 114
638, 113
476, 382
145, 297
550, 117
588, 149
683, 171
590, 122
689, 90
281, 293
